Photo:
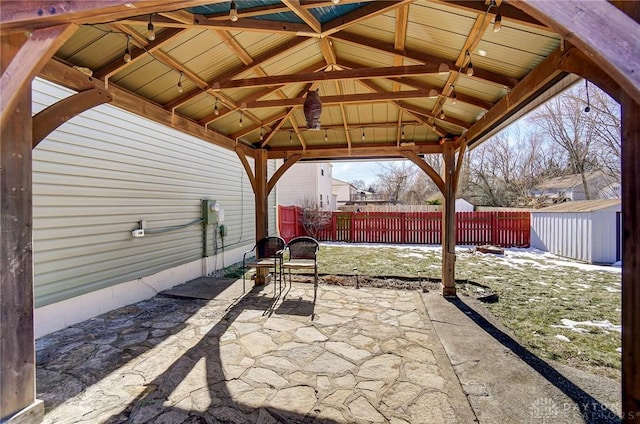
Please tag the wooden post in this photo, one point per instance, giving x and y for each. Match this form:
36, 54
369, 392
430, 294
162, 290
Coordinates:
630, 260
262, 207
17, 351
449, 222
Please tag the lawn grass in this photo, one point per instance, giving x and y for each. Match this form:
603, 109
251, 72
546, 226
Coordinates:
536, 291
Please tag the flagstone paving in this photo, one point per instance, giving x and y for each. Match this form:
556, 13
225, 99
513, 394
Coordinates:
335, 355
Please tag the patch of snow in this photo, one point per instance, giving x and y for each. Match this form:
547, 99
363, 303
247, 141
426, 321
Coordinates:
574, 325
584, 286
613, 289
562, 338
542, 283
619, 349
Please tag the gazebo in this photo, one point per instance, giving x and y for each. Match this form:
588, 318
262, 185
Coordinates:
297, 80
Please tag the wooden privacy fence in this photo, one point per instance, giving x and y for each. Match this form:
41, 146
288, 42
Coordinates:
506, 229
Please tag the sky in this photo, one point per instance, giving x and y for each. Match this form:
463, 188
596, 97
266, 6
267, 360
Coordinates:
356, 170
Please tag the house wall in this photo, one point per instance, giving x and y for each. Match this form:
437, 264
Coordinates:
305, 183
342, 191
100, 173
586, 236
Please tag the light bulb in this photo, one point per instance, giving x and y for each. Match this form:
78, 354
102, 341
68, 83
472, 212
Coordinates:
261, 136
470, 69
454, 99
403, 132
216, 111
442, 115
335, 1
326, 136
497, 23
240, 122
127, 56
290, 138
233, 12
363, 134
151, 32
180, 87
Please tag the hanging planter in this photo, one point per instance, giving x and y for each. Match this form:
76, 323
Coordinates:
312, 110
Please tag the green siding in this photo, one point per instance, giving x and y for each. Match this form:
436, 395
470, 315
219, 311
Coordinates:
100, 173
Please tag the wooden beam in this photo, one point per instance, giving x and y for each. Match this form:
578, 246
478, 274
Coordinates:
303, 14
428, 169
137, 53
345, 99
449, 223
508, 12
288, 163
66, 76
630, 260
27, 62
47, 120
261, 194
20, 15
473, 38
459, 164
276, 8
545, 73
576, 62
247, 167
17, 349
427, 113
357, 151
366, 73
602, 31
418, 56
400, 37
374, 8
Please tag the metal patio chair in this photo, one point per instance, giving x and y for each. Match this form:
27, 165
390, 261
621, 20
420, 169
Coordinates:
302, 254
268, 254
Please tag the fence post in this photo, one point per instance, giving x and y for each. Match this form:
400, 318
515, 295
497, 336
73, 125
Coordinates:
494, 228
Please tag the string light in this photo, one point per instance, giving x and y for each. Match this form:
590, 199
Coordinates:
127, 51
402, 132
588, 108
442, 115
240, 122
233, 12
335, 1
497, 23
216, 111
290, 138
469, 64
261, 135
180, 87
151, 32
326, 135
454, 96
362, 134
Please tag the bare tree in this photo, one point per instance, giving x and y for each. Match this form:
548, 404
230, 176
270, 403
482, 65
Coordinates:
393, 179
314, 219
586, 136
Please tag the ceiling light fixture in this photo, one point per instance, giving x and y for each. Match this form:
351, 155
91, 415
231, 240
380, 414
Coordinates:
151, 32
497, 23
127, 51
180, 87
233, 12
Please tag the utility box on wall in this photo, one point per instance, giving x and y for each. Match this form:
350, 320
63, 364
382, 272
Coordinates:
210, 211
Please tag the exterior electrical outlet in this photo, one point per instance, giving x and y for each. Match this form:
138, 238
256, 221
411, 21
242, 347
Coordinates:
209, 212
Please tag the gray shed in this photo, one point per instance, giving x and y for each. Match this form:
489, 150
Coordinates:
587, 230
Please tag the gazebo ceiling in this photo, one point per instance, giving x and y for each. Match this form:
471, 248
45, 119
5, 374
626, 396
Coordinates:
389, 73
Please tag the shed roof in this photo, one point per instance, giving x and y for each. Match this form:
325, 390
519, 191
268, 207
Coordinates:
584, 206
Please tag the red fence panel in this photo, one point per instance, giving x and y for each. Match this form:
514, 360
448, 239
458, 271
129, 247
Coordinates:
505, 229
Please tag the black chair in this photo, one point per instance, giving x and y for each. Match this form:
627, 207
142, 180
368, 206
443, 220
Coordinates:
268, 254
303, 253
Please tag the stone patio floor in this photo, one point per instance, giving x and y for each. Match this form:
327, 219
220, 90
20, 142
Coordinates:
205, 353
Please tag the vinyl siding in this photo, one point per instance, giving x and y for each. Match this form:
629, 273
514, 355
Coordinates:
100, 173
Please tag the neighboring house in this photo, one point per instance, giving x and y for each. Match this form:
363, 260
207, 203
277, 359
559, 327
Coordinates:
570, 187
587, 230
343, 191
95, 178
307, 184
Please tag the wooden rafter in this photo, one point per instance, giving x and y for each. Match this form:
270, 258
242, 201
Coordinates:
374, 8
303, 14
357, 151
136, 53
508, 12
400, 38
344, 99
363, 73
417, 56
276, 8
427, 113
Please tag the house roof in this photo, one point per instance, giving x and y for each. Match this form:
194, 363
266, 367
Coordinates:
393, 76
583, 206
566, 181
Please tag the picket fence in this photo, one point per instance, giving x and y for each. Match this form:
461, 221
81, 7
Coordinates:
505, 229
